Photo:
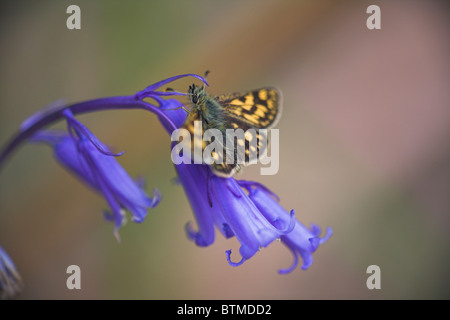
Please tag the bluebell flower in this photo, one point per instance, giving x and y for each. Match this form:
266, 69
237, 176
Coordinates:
10, 280
221, 202
256, 219
89, 159
300, 240
242, 209
50, 115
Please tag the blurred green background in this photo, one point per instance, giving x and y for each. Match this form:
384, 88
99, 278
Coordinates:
364, 144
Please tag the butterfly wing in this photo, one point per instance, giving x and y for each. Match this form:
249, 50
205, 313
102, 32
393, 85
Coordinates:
254, 112
260, 108
251, 111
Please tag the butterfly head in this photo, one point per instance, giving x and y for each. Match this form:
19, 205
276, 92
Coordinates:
197, 94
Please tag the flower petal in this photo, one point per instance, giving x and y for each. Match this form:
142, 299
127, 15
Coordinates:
300, 240
10, 280
249, 226
231, 263
86, 156
193, 178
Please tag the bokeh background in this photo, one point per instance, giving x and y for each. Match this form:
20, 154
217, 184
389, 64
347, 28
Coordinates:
364, 144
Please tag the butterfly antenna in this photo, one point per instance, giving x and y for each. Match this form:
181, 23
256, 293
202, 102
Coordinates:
206, 76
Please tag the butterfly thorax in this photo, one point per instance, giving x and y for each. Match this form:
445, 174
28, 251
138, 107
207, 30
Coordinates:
205, 108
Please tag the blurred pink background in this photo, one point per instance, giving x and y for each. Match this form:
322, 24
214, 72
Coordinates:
364, 145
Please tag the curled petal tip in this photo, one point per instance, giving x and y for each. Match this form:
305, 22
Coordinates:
291, 225
231, 263
117, 235
307, 264
196, 236
292, 267
116, 154
156, 198
327, 235
315, 242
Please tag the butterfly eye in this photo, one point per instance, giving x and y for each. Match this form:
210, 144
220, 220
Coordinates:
194, 98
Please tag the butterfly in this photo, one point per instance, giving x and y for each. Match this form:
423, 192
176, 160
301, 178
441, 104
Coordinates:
251, 111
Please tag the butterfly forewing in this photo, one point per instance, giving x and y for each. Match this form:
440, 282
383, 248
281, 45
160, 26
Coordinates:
258, 108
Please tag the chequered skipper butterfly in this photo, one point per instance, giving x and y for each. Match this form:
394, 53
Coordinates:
254, 109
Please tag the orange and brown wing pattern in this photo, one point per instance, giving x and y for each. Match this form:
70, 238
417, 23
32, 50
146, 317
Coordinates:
259, 108
250, 111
